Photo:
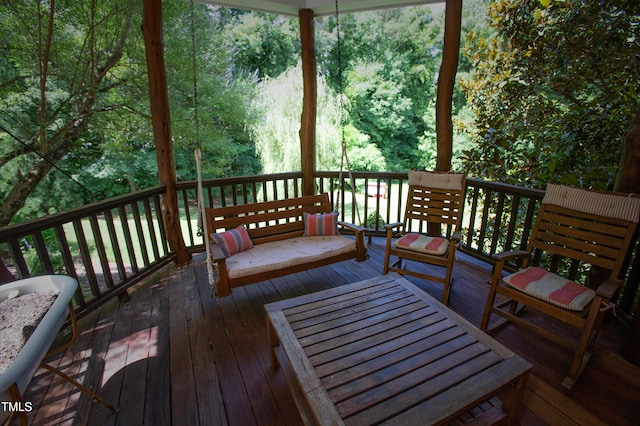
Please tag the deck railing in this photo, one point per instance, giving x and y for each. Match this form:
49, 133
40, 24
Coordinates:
112, 244
107, 246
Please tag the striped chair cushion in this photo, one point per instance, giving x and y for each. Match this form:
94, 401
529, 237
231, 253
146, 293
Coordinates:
233, 241
320, 224
545, 285
424, 244
609, 204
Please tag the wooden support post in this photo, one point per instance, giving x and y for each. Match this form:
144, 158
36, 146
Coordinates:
309, 107
628, 180
446, 82
161, 122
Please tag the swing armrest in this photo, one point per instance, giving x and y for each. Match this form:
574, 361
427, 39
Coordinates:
351, 226
359, 233
216, 252
389, 226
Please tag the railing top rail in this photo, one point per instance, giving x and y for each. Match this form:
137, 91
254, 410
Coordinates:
506, 187
370, 175
240, 179
27, 227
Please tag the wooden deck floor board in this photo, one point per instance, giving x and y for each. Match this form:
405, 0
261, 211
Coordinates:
174, 355
157, 409
235, 398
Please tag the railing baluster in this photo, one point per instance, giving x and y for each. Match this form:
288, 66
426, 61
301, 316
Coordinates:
187, 213
484, 220
43, 253
124, 224
21, 264
209, 195
472, 217
89, 272
497, 222
115, 245
163, 232
141, 238
400, 210
515, 209
152, 232
102, 254
63, 245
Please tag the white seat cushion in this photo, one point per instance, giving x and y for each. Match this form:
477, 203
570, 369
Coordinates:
276, 255
553, 288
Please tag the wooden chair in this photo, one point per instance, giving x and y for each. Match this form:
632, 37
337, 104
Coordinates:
589, 229
434, 199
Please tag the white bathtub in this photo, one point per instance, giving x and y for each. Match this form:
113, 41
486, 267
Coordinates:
30, 356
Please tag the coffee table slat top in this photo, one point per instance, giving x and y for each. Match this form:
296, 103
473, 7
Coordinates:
382, 350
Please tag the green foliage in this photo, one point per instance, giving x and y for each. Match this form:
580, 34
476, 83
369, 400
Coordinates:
554, 91
94, 72
32, 259
374, 221
386, 67
96, 125
224, 95
277, 133
545, 93
362, 154
264, 44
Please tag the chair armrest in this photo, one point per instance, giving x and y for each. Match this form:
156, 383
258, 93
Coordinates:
508, 255
501, 259
351, 226
608, 289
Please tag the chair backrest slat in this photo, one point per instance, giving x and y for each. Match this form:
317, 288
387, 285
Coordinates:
435, 197
588, 237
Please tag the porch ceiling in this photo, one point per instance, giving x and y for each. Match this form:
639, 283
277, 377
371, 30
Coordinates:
319, 7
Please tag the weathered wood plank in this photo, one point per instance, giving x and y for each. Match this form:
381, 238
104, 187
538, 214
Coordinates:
234, 395
609, 387
205, 379
184, 408
157, 400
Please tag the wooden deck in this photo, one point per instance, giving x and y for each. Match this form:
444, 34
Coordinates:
175, 355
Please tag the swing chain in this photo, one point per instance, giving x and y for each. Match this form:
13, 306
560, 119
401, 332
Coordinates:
195, 74
344, 159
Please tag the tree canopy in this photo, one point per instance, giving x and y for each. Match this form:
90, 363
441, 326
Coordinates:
554, 91
546, 91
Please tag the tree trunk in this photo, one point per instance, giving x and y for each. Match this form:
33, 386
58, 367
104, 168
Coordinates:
65, 138
446, 82
161, 122
628, 180
59, 146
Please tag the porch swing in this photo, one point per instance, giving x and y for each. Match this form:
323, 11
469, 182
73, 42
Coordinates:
286, 236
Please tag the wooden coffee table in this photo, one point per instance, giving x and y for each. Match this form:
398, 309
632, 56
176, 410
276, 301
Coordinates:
382, 350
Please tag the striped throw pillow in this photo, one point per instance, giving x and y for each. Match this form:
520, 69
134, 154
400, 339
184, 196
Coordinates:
320, 224
233, 241
437, 246
553, 288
